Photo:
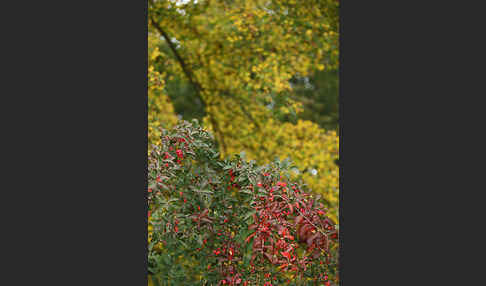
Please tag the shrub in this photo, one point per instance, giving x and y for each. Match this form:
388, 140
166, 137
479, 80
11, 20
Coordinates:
231, 222
312, 149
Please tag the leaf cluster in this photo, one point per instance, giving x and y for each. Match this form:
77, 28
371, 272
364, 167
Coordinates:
231, 221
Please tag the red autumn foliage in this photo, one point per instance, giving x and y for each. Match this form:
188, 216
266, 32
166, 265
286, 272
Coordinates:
246, 225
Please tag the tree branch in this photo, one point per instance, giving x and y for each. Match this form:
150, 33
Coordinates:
181, 61
217, 131
189, 75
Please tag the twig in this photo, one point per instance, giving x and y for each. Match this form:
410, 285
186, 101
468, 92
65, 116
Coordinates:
181, 61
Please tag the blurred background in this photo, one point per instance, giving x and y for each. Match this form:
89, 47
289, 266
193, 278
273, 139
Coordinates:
262, 76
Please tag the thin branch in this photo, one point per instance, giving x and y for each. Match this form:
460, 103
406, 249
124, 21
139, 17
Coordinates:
218, 131
190, 77
248, 114
198, 88
181, 61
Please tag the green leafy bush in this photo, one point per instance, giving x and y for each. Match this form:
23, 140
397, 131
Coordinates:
231, 222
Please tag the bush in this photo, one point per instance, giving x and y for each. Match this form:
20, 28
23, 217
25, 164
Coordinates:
215, 222
312, 149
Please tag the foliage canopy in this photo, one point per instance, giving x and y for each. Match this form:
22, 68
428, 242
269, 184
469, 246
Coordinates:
231, 221
243, 67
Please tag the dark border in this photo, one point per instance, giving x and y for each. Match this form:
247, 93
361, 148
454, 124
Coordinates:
341, 153
79, 173
145, 130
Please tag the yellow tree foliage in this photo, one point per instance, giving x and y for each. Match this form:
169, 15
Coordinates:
239, 56
160, 114
312, 149
160, 110
245, 49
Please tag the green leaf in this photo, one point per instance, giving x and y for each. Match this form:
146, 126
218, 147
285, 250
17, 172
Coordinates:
207, 191
248, 215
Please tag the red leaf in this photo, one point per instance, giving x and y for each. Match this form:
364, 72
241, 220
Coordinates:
270, 258
205, 212
286, 254
249, 237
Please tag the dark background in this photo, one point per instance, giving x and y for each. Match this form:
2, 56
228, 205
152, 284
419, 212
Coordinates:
74, 120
